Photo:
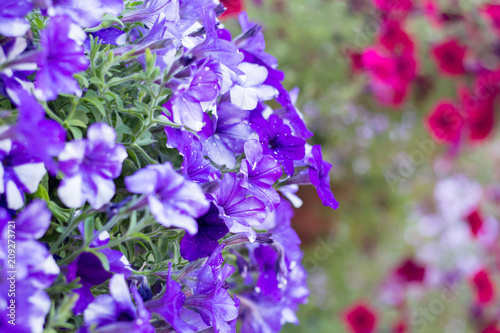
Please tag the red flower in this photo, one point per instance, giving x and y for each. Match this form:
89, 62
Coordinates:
233, 7
483, 286
445, 122
492, 13
475, 222
450, 57
360, 318
410, 271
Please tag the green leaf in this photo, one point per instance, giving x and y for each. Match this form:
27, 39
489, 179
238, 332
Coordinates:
77, 122
102, 258
77, 134
92, 98
41, 193
89, 228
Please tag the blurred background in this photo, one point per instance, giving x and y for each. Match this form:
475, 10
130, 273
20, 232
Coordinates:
392, 179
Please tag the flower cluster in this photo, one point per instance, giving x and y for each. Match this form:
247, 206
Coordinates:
461, 51
149, 160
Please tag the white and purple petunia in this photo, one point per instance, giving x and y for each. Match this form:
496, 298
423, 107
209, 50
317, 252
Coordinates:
20, 173
173, 200
86, 13
61, 56
89, 167
12, 17
116, 312
249, 88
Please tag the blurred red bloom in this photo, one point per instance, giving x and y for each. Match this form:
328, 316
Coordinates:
445, 122
360, 318
410, 271
475, 221
483, 287
450, 57
233, 7
492, 13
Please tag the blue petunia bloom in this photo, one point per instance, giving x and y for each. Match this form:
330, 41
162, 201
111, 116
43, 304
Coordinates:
173, 200
89, 166
211, 228
320, 178
116, 312
12, 17
61, 56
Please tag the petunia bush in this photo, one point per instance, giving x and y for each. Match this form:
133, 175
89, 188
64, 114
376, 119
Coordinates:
149, 165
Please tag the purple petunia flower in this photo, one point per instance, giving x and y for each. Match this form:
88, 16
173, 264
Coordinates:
116, 312
211, 228
19, 173
203, 86
87, 13
227, 132
169, 305
238, 211
214, 47
209, 297
61, 56
194, 166
173, 200
12, 17
320, 178
149, 11
41, 138
89, 268
35, 269
89, 166
260, 172
278, 141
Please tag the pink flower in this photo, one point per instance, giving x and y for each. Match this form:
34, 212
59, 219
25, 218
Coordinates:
360, 318
394, 8
475, 221
492, 14
445, 122
449, 57
483, 287
410, 271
